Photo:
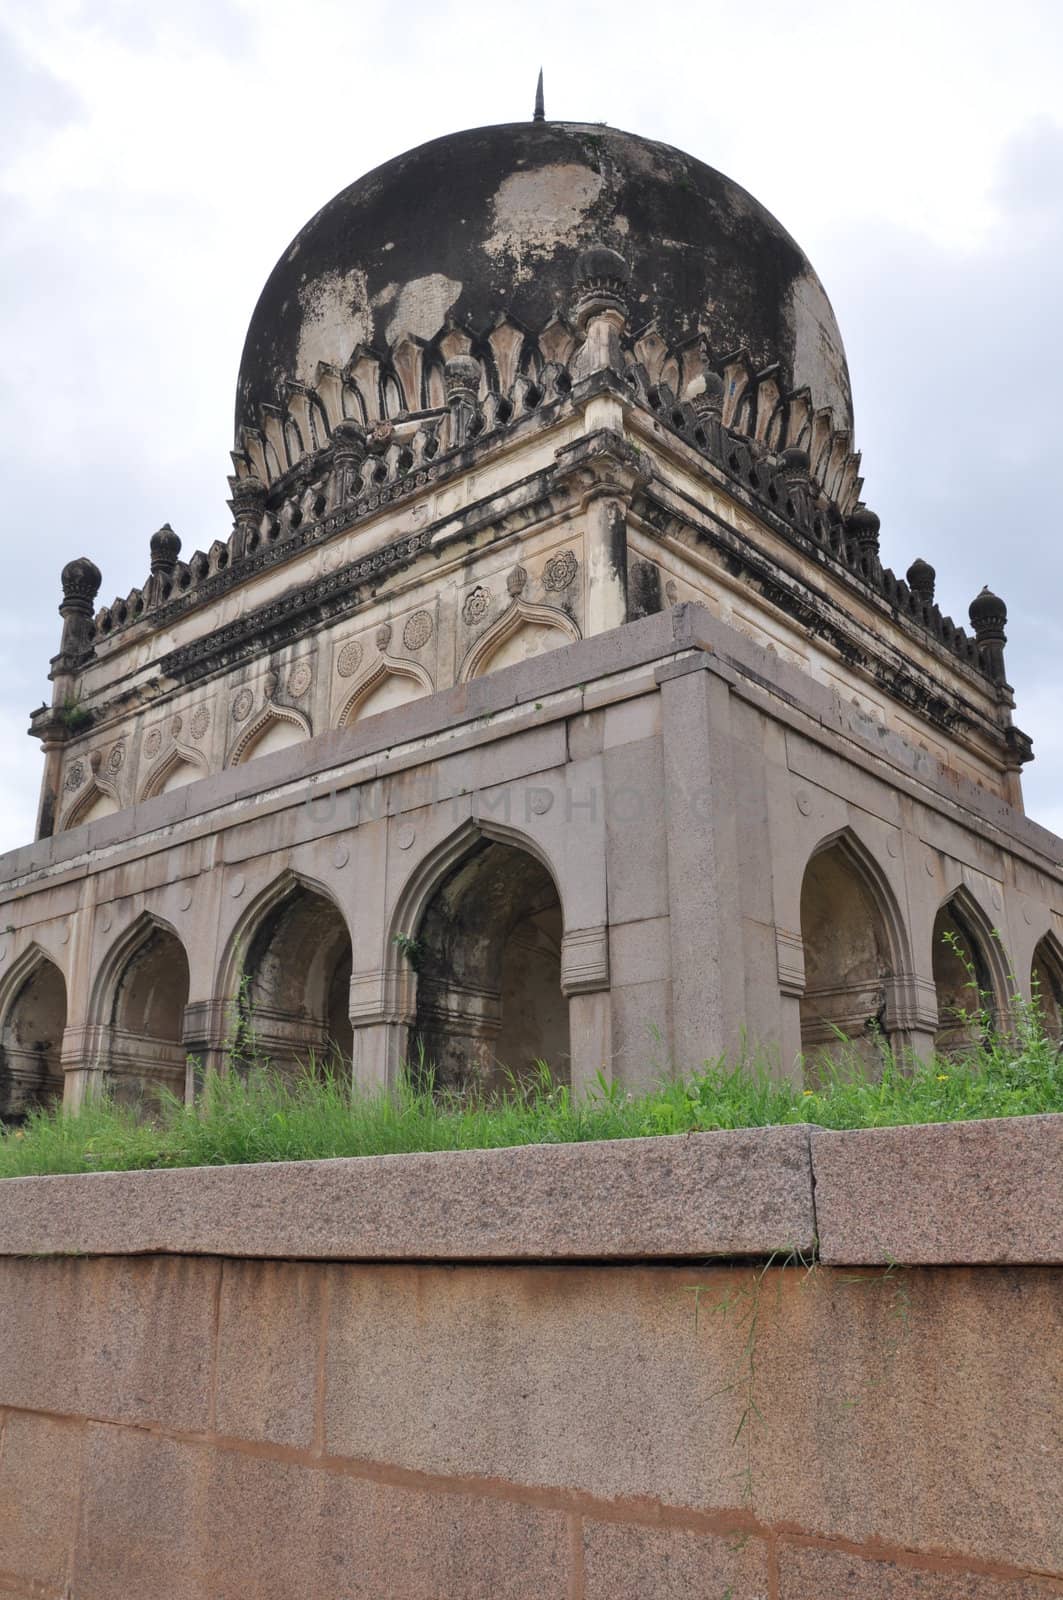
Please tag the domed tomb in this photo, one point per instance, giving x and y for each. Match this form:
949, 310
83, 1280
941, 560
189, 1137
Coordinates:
492, 222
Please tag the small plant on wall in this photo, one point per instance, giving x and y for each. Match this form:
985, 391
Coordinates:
411, 948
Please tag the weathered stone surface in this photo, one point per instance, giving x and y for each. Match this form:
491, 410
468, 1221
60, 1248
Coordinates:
269, 1335
929, 1403
742, 1193
161, 1517
610, 1381
141, 1351
947, 1193
631, 1563
40, 1469
834, 1575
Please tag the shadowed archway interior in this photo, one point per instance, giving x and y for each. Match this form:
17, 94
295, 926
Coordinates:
293, 1004
963, 980
489, 1000
31, 1038
1047, 986
847, 957
147, 1020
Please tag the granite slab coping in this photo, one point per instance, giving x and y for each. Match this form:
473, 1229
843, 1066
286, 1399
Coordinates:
986, 1193
746, 1193
965, 1193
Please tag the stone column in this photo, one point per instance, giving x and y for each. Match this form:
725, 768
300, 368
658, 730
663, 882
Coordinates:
585, 984
604, 471
206, 1035
705, 911
911, 1018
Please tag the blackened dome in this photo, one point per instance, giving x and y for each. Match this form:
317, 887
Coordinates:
494, 220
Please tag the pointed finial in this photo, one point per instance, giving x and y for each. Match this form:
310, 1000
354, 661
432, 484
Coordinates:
540, 108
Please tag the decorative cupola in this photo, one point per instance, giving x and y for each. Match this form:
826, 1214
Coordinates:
921, 579
989, 616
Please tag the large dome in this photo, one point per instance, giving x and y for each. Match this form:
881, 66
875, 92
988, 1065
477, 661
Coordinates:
492, 221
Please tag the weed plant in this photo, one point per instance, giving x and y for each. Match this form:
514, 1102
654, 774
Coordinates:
264, 1115
255, 1113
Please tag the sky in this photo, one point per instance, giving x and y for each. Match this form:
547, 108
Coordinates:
155, 160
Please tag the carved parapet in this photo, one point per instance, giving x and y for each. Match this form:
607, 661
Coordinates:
602, 465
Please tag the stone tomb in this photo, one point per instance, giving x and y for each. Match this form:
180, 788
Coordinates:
546, 698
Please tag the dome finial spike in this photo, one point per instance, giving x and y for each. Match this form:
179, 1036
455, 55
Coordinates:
540, 108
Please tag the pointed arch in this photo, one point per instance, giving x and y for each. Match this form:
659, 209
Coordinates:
271, 716
484, 994
138, 1004
970, 971
516, 617
855, 948
98, 799
286, 975
169, 766
1046, 984
33, 1009
375, 680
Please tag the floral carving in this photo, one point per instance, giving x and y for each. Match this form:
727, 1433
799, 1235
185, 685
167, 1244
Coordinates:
418, 630
116, 759
176, 725
349, 659
560, 570
477, 604
75, 776
242, 705
200, 721
299, 679
153, 743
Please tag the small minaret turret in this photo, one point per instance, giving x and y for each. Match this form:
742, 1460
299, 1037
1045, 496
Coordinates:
988, 615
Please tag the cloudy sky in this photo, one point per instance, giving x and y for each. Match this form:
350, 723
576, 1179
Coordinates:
156, 158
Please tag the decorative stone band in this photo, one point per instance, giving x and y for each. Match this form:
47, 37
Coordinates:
792, 459
790, 962
960, 1194
585, 961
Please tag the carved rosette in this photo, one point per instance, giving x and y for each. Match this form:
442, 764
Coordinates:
418, 630
242, 704
299, 679
349, 659
477, 605
560, 571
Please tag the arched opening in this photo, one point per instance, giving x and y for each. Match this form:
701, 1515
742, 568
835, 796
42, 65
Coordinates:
848, 962
270, 732
488, 956
147, 1019
293, 1000
383, 690
963, 978
173, 772
31, 1038
1047, 986
92, 807
521, 632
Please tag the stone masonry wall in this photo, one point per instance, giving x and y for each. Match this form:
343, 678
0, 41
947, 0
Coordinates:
206, 1427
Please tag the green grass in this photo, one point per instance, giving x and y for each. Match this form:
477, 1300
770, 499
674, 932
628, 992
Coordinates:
266, 1117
